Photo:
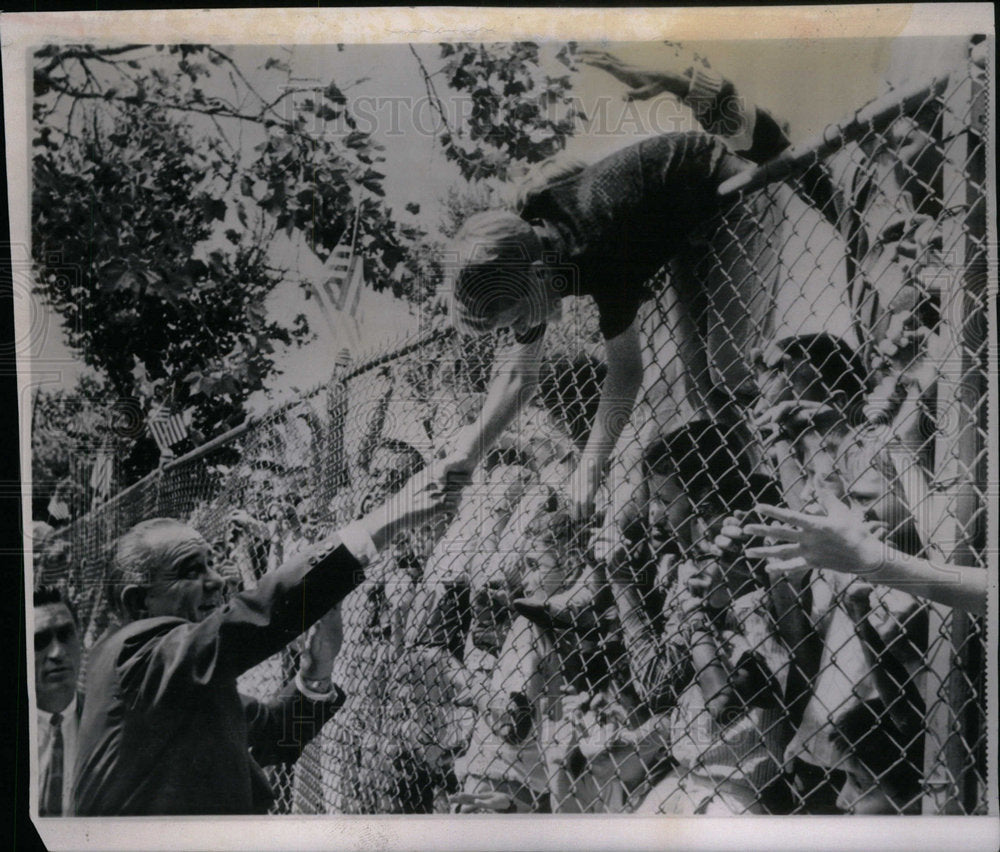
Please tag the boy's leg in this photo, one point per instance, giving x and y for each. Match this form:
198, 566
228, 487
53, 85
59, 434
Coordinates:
674, 390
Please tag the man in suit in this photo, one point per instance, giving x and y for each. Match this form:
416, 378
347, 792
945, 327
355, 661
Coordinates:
57, 668
165, 730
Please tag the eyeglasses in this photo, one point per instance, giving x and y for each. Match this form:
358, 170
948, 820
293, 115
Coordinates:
62, 634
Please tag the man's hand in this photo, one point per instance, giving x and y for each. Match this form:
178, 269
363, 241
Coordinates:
837, 541
322, 643
421, 499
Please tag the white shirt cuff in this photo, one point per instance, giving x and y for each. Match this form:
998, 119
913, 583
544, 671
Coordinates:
359, 542
311, 694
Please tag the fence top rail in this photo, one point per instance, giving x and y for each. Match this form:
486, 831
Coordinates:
254, 421
400, 352
876, 116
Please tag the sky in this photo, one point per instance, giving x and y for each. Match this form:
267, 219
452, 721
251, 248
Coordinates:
806, 82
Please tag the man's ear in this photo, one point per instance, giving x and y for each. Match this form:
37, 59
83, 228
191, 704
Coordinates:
134, 602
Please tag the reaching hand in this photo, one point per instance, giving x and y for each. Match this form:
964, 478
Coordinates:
608, 547
911, 348
837, 541
582, 487
673, 75
773, 423
732, 537
486, 800
909, 357
420, 499
452, 469
857, 600
322, 643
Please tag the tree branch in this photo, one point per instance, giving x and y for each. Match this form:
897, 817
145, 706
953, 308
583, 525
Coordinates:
83, 52
432, 93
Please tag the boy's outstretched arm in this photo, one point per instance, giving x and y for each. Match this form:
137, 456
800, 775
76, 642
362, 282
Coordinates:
514, 381
618, 393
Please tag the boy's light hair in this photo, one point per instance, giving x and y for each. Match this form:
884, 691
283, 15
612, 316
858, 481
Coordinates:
495, 251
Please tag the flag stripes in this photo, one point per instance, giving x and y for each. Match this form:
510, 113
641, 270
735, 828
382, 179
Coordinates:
166, 428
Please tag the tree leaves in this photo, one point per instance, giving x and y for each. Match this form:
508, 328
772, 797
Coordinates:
273, 62
157, 193
122, 263
212, 208
519, 113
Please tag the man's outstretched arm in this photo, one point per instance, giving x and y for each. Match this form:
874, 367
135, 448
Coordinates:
255, 624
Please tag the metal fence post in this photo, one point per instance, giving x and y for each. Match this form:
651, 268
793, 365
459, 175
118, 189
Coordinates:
950, 778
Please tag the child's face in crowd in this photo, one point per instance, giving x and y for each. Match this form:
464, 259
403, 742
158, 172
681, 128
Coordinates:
538, 562
706, 575
819, 452
871, 492
669, 510
509, 482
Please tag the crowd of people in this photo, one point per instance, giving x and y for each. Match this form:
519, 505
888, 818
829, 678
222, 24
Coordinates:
699, 586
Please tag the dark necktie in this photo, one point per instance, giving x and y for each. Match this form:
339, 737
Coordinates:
53, 786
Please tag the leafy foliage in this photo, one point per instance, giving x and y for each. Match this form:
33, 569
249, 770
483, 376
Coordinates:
154, 214
68, 428
519, 112
163, 178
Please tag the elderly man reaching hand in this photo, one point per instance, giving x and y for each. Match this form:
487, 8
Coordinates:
164, 730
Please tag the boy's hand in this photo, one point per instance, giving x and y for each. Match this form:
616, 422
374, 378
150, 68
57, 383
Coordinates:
582, 488
610, 549
486, 800
910, 350
672, 75
421, 499
835, 542
732, 539
774, 421
692, 592
857, 600
909, 357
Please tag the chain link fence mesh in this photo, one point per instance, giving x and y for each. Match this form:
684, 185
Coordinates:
493, 655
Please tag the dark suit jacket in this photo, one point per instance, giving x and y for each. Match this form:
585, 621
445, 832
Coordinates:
164, 730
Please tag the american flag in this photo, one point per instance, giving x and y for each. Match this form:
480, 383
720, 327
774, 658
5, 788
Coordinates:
166, 427
332, 292
339, 267
101, 475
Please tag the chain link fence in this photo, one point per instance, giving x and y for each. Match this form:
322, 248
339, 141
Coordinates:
839, 344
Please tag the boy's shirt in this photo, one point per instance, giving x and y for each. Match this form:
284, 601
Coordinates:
748, 750
844, 678
518, 669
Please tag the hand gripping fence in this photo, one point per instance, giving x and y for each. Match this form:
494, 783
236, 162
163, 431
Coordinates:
511, 660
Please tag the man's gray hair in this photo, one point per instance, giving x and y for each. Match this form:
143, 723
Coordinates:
137, 555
